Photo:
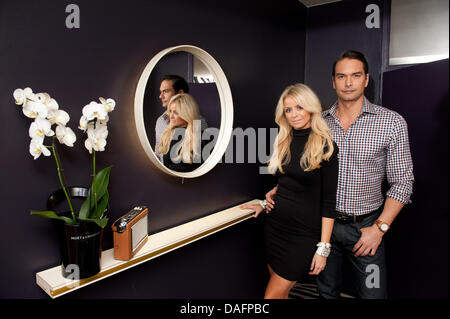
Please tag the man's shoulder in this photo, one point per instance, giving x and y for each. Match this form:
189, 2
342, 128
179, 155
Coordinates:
387, 113
162, 119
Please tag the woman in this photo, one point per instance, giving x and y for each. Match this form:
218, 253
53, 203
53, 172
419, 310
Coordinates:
181, 141
305, 163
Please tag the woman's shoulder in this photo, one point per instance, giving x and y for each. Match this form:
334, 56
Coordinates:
327, 147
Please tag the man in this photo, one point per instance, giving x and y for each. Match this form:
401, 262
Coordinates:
170, 86
373, 145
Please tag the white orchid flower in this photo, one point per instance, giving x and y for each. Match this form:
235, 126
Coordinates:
108, 104
83, 123
34, 109
37, 148
51, 104
40, 128
21, 96
43, 97
58, 117
103, 122
96, 138
65, 135
94, 111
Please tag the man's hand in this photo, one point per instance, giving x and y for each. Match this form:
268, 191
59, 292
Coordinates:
368, 243
270, 203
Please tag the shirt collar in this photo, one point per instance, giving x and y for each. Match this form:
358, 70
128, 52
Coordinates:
368, 107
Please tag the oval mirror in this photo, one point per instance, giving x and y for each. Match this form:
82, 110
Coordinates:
207, 86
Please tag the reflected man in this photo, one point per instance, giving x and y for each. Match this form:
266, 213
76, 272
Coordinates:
170, 86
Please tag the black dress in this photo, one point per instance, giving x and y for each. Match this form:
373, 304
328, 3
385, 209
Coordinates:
293, 228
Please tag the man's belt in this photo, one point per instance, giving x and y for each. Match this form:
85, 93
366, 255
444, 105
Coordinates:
351, 219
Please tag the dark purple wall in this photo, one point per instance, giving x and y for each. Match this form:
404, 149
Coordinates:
251, 40
418, 241
334, 28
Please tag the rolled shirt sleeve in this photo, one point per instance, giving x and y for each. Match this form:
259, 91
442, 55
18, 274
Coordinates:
399, 166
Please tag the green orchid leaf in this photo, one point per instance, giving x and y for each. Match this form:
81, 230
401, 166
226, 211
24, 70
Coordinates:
99, 187
53, 215
84, 210
102, 222
101, 206
100, 182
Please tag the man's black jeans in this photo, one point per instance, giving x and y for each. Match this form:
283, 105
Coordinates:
369, 272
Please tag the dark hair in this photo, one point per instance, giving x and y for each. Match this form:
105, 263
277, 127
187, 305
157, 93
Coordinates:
352, 54
178, 83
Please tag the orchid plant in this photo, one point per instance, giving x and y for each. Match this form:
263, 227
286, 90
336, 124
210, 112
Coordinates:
46, 113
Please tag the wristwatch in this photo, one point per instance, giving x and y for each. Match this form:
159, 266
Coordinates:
382, 225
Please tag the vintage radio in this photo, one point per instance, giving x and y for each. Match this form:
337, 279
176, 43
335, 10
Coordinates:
130, 233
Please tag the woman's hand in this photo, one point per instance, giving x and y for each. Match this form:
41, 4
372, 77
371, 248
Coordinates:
270, 203
318, 264
256, 207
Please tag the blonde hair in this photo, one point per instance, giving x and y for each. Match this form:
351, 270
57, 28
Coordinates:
319, 139
187, 109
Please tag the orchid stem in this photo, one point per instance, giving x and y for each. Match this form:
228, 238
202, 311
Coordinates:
93, 190
58, 165
93, 164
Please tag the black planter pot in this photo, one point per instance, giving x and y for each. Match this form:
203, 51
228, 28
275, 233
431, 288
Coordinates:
80, 244
82, 250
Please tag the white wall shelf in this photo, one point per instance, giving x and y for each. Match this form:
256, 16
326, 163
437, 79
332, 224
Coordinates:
55, 285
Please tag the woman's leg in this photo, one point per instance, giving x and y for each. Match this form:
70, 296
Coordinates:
278, 287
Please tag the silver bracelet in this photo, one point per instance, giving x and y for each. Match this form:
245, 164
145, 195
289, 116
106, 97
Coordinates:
323, 249
322, 244
263, 204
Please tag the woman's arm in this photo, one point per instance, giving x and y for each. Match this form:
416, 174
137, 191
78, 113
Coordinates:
319, 262
329, 177
258, 208
255, 207
269, 198
327, 229
329, 173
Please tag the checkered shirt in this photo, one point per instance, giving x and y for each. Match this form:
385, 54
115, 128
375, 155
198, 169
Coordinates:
373, 148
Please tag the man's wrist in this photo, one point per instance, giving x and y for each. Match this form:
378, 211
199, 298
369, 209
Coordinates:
383, 227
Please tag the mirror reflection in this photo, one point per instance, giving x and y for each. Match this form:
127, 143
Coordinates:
181, 103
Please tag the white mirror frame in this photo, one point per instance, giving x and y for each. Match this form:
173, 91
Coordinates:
226, 109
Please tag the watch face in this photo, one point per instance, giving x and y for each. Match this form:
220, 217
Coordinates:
384, 227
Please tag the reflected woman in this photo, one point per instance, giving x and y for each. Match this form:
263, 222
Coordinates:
297, 231
181, 142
